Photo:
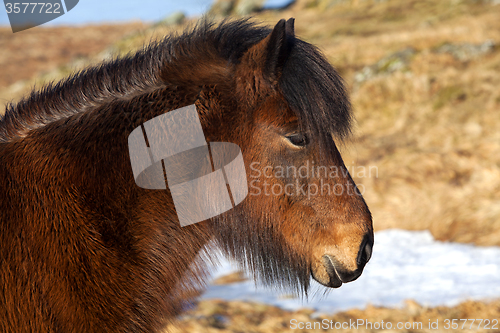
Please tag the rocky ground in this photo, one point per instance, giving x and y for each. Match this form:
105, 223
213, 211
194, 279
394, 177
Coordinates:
216, 316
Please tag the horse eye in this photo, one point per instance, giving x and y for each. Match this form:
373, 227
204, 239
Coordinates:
298, 139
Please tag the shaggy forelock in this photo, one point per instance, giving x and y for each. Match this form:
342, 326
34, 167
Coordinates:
316, 93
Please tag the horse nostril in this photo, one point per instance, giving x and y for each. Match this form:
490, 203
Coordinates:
365, 251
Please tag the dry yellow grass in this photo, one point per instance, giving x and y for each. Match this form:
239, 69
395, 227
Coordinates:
432, 129
48, 53
217, 316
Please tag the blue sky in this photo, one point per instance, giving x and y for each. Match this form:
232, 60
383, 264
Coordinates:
93, 11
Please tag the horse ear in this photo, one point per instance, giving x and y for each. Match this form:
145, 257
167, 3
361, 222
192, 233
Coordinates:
260, 67
290, 29
278, 47
268, 56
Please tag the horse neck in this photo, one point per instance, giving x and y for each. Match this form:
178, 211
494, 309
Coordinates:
78, 178
77, 135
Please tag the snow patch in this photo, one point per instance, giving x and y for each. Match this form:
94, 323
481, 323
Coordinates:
404, 265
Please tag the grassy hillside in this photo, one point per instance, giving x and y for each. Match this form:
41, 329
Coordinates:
424, 80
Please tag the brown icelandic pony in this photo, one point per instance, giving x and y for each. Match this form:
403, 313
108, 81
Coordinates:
84, 249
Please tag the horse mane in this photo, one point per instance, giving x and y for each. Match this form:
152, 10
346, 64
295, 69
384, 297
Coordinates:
310, 85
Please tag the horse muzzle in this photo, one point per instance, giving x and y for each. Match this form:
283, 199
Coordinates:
338, 273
